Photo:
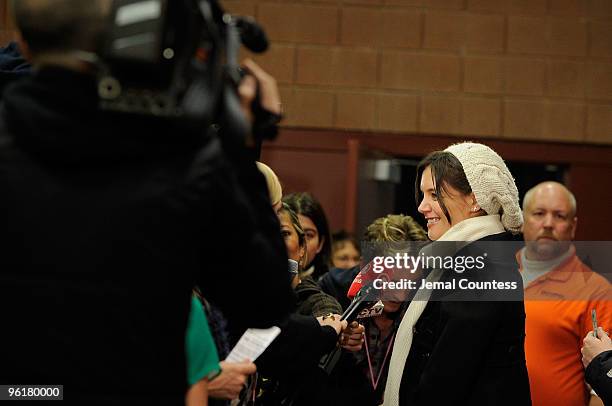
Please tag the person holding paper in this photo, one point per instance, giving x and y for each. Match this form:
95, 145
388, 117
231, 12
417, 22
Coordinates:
105, 207
202, 359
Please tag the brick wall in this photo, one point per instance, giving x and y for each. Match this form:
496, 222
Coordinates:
516, 69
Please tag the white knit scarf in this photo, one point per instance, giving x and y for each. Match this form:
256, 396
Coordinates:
466, 231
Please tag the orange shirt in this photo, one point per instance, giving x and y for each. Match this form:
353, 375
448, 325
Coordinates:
558, 307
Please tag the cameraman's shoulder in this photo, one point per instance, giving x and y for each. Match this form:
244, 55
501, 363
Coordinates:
7, 140
209, 159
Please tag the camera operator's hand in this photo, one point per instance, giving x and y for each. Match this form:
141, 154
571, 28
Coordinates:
268, 88
260, 102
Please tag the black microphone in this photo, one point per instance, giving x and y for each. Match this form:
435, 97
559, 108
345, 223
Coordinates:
362, 300
252, 35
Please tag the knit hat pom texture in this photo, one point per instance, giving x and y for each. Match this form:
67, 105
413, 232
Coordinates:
491, 182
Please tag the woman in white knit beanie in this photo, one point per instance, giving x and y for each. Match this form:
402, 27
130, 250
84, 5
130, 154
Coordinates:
467, 352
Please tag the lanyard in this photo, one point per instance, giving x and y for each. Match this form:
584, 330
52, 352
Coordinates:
382, 366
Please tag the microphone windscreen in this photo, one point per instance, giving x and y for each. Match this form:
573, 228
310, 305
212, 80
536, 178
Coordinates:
367, 276
293, 266
252, 34
359, 281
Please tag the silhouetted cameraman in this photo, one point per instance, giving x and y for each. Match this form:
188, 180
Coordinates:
108, 220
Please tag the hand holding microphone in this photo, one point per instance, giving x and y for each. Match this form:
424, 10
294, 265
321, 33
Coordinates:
334, 321
352, 337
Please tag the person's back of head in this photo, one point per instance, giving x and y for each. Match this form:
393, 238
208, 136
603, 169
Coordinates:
61, 26
275, 189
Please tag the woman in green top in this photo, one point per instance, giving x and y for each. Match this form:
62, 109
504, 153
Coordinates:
202, 358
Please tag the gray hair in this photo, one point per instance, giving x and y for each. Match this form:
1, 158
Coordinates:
570, 196
61, 25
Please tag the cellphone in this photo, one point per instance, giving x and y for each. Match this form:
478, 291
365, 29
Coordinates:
594, 318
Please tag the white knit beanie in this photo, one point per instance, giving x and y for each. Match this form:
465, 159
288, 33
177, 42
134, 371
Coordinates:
491, 182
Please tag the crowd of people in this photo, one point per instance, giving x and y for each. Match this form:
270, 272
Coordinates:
421, 348
134, 260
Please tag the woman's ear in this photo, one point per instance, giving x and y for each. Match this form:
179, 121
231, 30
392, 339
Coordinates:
473, 204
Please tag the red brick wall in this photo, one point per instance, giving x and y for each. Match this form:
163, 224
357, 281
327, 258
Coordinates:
516, 69
7, 28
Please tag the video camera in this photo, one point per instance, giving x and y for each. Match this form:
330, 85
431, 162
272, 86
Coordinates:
177, 59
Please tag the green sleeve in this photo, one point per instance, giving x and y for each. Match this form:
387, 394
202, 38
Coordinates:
202, 358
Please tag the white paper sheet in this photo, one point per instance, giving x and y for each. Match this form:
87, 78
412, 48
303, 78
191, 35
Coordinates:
252, 344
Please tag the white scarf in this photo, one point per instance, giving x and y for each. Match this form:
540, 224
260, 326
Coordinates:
468, 230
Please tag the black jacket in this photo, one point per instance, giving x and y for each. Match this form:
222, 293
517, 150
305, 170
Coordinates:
470, 352
108, 222
312, 301
290, 363
598, 374
337, 282
13, 65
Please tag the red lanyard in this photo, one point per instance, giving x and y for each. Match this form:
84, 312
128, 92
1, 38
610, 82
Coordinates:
382, 366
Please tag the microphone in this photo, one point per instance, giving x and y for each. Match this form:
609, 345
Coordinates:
360, 291
367, 275
294, 266
252, 35
357, 283
329, 361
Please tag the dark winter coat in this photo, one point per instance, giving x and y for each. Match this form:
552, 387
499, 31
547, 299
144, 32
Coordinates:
312, 301
598, 374
108, 222
337, 282
470, 352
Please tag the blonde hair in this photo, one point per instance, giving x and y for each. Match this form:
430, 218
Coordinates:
395, 228
274, 187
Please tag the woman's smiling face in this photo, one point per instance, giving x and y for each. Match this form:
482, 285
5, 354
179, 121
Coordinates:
458, 206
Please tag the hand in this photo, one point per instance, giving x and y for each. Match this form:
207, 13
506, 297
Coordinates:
595, 401
230, 382
333, 320
352, 337
593, 346
247, 91
268, 88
